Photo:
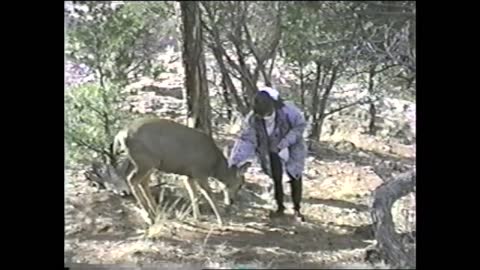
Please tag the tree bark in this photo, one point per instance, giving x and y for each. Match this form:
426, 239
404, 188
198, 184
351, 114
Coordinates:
198, 102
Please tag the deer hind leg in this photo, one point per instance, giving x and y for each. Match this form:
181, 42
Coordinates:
191, 189
134, 180
147, 194
205, 190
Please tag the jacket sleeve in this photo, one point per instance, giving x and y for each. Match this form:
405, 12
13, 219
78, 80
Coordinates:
244, 147
298, 124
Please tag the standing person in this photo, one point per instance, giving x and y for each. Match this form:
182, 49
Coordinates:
273, 131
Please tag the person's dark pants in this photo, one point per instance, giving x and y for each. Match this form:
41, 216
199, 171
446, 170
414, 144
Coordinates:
295, 184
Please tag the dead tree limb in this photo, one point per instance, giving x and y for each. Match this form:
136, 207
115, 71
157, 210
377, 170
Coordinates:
389, 243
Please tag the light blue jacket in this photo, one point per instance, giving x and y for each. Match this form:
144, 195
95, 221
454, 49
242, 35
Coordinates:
247, 144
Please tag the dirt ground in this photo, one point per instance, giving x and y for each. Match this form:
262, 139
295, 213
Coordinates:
103, 228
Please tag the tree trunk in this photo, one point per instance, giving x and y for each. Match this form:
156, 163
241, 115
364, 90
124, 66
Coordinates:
315, 101
247, 97
228, 102
316, 129
270, 70
302, 85
388, 242
226, 79
372, 130
320, 115
198, 102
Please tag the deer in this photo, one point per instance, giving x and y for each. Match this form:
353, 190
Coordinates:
160, 144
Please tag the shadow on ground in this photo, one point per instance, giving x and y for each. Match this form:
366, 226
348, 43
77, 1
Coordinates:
282, 249
383, 164
337, 203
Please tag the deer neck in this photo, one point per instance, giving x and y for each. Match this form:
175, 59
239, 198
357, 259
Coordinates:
222, 171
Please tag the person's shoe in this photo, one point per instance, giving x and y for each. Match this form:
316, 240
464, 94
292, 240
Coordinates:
298, 217
279, 213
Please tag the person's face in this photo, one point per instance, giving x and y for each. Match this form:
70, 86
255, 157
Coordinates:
264, 109
263, 105
265, 114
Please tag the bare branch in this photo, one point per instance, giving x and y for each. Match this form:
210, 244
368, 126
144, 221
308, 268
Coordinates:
232, 72
387, 13
270, 70
88, 145
135, 67
89, 104
358, 102
252, 48
389, 5
385, 68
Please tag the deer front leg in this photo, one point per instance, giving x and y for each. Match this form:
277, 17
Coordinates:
150, 201
134, 181
190, 186
205, 190
226, 197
